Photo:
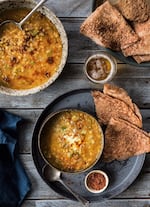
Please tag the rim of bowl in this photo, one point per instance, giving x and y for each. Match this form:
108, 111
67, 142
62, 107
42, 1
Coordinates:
112, 61
59, 26
51, 116
100, 172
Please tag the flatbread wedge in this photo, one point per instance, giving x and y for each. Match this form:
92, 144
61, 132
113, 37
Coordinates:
124, 140
107, 27
142, 47
142, 29
141, 58
133, 10
107, 107
121, 94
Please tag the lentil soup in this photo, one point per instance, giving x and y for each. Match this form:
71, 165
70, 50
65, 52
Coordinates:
28, 58
71, 141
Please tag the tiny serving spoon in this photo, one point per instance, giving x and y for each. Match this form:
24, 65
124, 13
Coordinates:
19, 24
52, 174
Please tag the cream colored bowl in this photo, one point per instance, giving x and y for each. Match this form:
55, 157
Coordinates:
50, 15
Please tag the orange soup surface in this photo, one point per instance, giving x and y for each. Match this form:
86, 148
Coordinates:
30, 57
71, 141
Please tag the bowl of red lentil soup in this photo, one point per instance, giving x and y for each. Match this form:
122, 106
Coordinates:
32, 59
96, 181
70, 140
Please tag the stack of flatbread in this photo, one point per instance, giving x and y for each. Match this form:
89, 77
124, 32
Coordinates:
141, 50
123, 26
124, 136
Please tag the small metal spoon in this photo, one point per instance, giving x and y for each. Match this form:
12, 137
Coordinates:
19, 24
52, 175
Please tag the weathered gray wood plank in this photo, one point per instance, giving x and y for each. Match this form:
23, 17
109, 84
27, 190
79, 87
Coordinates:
136, 81
67, 203
138, 89
40, 190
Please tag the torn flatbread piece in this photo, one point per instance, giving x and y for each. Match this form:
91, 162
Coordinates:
124, 140
142, 29
133, 10
141, 58
107, 107
107, 27
142, 47
121, 94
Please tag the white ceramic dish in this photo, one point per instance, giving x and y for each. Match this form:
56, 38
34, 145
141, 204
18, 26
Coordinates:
105, 177
50, 15
113, 69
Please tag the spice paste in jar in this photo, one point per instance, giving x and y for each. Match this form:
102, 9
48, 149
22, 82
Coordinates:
96, 181
98, 68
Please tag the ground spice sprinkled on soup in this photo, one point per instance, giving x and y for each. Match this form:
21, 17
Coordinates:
30, 57
71, 141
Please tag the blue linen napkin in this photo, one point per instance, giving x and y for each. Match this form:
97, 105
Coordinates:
14, 182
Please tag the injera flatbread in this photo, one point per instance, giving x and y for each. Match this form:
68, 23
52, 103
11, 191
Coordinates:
134, 10
142, 47
124, 140
121, 94
107, 107
107, 27
141, 58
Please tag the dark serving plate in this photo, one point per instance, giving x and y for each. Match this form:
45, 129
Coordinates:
119, 55
121, 173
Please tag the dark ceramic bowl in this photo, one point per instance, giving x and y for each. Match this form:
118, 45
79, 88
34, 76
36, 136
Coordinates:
41, 132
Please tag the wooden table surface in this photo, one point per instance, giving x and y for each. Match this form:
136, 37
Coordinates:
136, 80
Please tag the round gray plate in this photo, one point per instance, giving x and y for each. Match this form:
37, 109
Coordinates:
121, 174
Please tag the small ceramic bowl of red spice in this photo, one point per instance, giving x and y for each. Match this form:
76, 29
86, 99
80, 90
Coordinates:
96, 181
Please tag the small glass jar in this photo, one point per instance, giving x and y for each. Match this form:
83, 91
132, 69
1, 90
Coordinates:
100, 68
96, 181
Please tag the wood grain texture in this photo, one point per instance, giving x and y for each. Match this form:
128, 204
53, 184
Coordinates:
135, 80
66, 203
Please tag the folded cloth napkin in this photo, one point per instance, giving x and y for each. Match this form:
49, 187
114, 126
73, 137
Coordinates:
14, 182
